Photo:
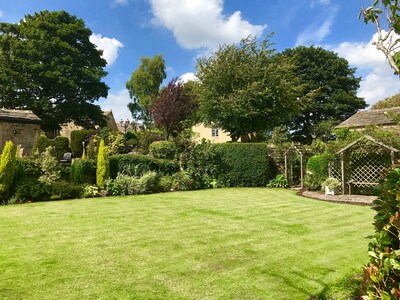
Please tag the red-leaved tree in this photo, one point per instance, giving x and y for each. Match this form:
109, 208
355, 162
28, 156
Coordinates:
174, 109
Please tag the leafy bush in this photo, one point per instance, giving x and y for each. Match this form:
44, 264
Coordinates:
60, 145
382, 274
182, 181
66, 190
7, 168
103, 165
114, 187
165, 184
77, 138
163, 149
132, 185
279, 181
244, 164
31, 190
148, 183
140, 164
76, 171
49, 167
90, 191
317, 171
331, 182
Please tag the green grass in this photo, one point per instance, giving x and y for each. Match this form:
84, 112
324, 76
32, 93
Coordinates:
214, 244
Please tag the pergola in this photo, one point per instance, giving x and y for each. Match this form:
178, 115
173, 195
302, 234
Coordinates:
362, 163
293, 150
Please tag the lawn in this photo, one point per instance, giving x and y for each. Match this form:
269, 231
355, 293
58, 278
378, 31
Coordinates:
213, 244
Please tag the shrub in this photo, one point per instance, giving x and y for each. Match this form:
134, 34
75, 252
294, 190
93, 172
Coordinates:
31, 190
49, 167
279, 181
103, 165
77, 138
59, 145
140, 164
317, 171
114, 187
245, 164
77, 171
65, 190
165, 184
182, 181
7, 168
382, 274
163, 149
148, 183
90, 191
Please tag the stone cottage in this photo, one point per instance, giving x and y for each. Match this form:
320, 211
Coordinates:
20, 127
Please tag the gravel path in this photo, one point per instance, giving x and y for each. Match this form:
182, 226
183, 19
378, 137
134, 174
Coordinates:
349, 199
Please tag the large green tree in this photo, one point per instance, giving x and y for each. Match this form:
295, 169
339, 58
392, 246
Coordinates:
48, 65
328, 89
246, 88
144, 87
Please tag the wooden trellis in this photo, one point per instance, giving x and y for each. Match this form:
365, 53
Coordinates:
361, 164
290, 153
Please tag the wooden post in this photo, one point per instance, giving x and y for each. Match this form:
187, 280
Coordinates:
286, 170
301, 171
342, 163
392, 156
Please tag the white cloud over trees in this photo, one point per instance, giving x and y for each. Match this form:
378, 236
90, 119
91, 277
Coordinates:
110, 47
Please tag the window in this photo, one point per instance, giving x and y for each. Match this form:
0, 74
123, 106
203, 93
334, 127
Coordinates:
214, 132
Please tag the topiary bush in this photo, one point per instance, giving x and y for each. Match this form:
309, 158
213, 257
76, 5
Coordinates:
244, 164
7, 168
103, 165
382, 274
163, 149
60, 145
317, 171
77, 138
140, 164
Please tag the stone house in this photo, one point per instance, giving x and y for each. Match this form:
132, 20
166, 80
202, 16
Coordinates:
377, 117
20, 127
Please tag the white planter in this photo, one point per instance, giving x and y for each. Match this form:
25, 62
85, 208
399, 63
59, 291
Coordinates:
328, 191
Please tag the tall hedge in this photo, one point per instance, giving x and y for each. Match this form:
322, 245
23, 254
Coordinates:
244, 164
7, 167
103, 165
139, 164
317, 171
77, 138
60, 145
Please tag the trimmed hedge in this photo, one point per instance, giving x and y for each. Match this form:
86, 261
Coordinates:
317, 171
244, 164
140, 164
163, 149
77, 138
60, 144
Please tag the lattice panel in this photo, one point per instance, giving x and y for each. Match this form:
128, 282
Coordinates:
368, 167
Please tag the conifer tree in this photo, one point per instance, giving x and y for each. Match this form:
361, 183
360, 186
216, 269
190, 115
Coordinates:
7, 167
103, 165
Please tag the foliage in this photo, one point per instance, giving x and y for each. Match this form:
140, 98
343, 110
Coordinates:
388, 137
65, 190
90, 191
393, 101
31, 190
132, 185
49, 167
244, 164
182, 181
145, 138
103, 166
317, 171
173, 109
49, 65
144, 86
279, 181
331, 182
77, 171
387, 42
165, 183
7, 168
246, 88
163, 150
140, 164
382, 274
59, 144
328, 90
323, 130
77, 139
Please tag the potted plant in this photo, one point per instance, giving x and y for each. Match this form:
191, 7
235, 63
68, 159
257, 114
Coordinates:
330, 184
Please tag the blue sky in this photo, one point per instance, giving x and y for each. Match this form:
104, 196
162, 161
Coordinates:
183, 30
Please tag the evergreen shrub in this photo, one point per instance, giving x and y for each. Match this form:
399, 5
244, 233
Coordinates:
60, 145
140, 164
245, 164
103, 165
77, 138
7, 168
317, 171
163, 149
66, 190
77, 171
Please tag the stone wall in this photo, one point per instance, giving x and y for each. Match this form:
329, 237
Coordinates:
20, 134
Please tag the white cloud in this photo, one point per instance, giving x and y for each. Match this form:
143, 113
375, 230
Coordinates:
110, 47
119, 3
201, 23
1, 13
117, 102
322, 2
188, 77
316, 32
379, 81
